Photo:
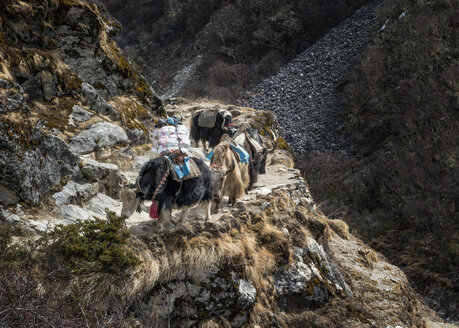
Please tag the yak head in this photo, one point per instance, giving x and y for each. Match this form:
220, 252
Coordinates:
150, 177
131, 202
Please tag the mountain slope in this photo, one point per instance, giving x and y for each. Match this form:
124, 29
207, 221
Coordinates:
215, 48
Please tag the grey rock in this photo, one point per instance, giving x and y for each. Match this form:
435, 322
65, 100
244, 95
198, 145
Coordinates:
265, 205
328, 268
310, 281
102, 134
73, 213
106, 174
80, 115
139, 161
7, 196
247, 293
74, 193
101, 202
32, 226
31, 171
216, 292
95, 170
9, 217
97, 103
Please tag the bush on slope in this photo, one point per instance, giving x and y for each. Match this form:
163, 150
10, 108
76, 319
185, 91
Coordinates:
401, 100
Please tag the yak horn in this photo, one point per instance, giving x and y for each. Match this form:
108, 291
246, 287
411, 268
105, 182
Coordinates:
119, 181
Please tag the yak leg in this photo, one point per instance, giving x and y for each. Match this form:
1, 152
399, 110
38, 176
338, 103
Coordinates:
204, 144
164, 216
217, 205
184, 214
207, 207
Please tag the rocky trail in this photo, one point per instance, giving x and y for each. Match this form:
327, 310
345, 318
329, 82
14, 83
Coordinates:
349, 266
86, 200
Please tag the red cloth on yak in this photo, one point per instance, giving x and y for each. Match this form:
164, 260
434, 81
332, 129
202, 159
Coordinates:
154, 210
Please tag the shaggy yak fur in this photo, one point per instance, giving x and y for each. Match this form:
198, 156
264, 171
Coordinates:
257, 161
173, 194
229, 176
212, 135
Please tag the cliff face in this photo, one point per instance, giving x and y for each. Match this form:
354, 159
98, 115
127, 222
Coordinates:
60, 72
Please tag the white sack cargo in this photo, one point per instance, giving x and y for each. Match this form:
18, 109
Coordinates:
169, 138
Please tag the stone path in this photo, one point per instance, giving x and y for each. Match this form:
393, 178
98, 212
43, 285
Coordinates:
91, 199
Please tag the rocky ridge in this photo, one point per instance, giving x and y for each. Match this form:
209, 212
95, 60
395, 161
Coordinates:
304, 93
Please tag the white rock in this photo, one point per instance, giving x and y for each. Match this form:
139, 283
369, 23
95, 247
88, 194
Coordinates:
73, 213
101, 202
74, 193
102, 134
263, 191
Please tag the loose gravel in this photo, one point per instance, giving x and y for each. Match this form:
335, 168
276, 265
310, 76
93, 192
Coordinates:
304, 93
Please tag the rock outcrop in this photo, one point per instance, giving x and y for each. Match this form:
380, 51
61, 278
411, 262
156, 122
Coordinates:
61, 73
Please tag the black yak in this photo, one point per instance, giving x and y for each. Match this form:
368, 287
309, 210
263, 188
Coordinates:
220, 126
155, 176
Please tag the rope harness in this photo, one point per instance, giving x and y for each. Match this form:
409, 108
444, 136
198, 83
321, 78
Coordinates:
154, 213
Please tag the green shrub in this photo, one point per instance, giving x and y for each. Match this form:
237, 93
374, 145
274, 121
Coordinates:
93, 246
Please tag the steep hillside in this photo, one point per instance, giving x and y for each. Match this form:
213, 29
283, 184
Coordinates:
377, 134
61, 76
303, 94
401, 101
215, 48
272, 260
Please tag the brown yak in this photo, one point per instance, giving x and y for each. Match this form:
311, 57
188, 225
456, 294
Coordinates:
229, 176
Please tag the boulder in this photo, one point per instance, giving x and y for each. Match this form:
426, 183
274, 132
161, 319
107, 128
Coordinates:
102, 134
32, 167
74, 212
102, 202
107, 175
216, 292
79, 115
95, 170
74, 193
97, 103
310, 281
